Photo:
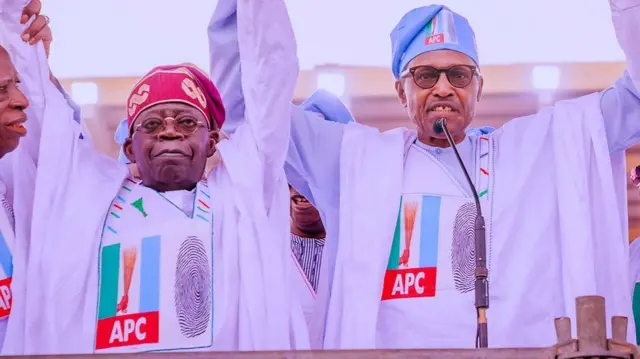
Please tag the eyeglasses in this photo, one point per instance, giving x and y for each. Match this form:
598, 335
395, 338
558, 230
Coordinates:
185, 125
426, 77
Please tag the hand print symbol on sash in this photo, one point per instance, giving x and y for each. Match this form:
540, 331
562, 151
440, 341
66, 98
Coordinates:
155, 274
433, 247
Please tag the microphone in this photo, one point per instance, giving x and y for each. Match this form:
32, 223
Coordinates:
481, 272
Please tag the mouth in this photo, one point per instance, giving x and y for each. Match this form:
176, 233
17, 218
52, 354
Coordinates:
17, 126
301, 202
438, 108
171, 153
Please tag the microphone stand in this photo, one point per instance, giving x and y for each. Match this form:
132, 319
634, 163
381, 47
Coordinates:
481, 272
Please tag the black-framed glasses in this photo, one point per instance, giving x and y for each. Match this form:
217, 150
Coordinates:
426, 77
185, 125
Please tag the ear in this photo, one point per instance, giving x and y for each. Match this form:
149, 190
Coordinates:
214, 138
127, 148
401, 94
480, 87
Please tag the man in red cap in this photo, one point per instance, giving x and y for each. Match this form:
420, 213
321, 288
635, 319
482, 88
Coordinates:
174, 260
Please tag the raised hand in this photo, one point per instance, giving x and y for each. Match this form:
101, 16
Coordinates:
39, 29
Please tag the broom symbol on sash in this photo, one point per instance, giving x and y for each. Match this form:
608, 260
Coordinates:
410, 211
129, 256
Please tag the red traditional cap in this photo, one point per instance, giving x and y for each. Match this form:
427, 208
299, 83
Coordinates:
176, 83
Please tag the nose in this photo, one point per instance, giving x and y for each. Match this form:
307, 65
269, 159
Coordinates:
169, 131
17, 100
442, 88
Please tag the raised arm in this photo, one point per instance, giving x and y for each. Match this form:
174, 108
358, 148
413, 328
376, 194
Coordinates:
47, 145
224, 64
269, 62
13, 32
314, 147
26, 36
621, 102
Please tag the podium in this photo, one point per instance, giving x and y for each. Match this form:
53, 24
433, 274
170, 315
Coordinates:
591, 342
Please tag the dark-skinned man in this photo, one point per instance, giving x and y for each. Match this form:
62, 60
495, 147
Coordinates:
307, 246
226, 70
634, 261
308, 236
400, 214
13, 104
175, 260
21, 26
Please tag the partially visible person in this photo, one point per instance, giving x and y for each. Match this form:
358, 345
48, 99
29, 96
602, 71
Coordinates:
307, 237
634, 263
120, 136
176, 259
634, 256
307, 230
307, 244
19, 146
13, 104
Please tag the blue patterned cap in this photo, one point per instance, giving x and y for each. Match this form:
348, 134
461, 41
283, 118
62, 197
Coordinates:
430, 28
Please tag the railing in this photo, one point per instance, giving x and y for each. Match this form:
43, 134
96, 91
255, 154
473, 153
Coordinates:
591, 343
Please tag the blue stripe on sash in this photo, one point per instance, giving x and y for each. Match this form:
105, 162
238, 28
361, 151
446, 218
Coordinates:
6, 259
150, 275
429, 231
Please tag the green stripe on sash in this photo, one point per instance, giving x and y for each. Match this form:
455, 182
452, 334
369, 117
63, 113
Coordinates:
109, 273
394, 256
636, 310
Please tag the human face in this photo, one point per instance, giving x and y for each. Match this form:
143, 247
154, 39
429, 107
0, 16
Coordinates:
169, 159
635, 176
12, 106
443, 100
303, 214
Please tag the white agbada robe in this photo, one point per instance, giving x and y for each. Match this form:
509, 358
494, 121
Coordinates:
226, 67
78, 188
304, 292
634, 270
18, 168
555, 209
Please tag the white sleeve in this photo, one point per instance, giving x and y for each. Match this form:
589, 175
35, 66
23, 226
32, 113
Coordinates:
269, 75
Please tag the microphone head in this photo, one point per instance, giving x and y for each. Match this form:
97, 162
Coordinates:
438, 126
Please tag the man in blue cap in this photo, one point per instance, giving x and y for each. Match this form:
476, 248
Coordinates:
401, 216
